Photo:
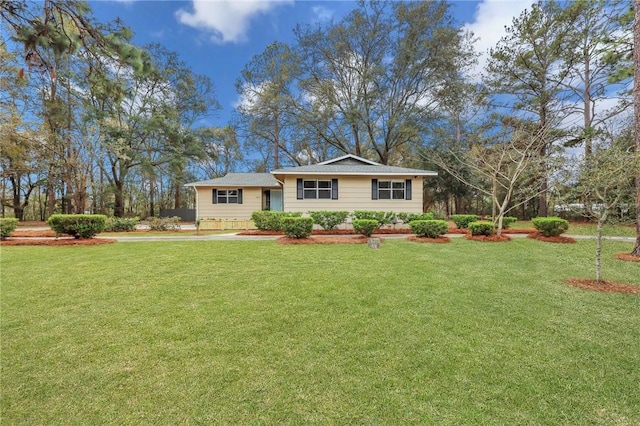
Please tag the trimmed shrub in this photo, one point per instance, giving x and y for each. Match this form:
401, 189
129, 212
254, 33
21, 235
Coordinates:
365, 226
383, 218
7, 226
268, 220
329, 219
296, 226
429, 228
78, 225
410, 217
164, 223
507, 221
122, 224
550, 226
462, 221
481, 228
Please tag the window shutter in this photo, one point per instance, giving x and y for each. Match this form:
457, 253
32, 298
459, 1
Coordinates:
214, 194
407, 189
239, 196
374, 189
334, 189
299, 191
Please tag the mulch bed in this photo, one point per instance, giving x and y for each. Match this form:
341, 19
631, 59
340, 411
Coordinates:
603, 286
62, 241
438, 240
356, 239
558, 239
627, 257
489, 238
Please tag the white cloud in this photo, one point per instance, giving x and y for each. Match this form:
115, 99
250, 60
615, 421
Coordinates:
490, 20
322, 13
227, 20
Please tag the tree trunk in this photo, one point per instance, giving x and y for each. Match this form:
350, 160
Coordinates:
599, 251
118, 205
178, 197
636, 107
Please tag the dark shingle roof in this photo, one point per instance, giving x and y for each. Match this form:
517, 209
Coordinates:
352, 165
240, 179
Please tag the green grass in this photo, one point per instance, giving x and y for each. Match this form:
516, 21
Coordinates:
252, 332
609, 230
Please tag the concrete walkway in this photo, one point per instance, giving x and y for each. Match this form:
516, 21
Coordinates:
235, 237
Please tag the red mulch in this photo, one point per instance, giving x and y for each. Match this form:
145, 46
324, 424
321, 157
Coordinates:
45, 233
489, 238
603, 286
628, 257
63, 241
356, 239
428, 240
457, 231
519, 231
559, 239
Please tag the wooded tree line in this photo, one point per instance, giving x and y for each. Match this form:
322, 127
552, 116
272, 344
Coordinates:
92, 122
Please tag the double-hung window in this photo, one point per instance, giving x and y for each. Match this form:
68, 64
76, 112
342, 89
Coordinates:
227, 196
390, 189
317, 189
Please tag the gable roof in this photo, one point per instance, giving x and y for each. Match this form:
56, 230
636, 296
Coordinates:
240, 180
352, 165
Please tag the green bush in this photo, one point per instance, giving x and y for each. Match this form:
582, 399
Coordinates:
462, 221
122, 224
7, 226
365, 226
429, 228
328, 219
296, 226
163, 223
481, 228
507, 221
410, 217
267, 220
78, 225
550, 226
383, 218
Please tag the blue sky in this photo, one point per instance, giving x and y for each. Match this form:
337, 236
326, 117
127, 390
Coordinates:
217, 38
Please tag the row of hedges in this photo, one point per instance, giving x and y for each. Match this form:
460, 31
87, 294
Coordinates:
266, 220
462, 221
547, 226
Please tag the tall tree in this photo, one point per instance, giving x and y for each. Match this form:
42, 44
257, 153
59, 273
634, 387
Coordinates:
265, 86
146, 122
525, 75
373, 82
592, 30
636, 108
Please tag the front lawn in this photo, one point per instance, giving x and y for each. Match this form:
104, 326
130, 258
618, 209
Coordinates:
253, 332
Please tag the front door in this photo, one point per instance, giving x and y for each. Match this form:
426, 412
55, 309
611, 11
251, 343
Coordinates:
275, 200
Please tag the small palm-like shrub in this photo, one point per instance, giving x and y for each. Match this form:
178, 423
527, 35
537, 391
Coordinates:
329, 219
164, 223
268, 220
429, 228
462, 221
507, 221
78, 225
7, 226
365, 226
410, 217
383, 218
550, 226
481, 228
122, 224
296, 226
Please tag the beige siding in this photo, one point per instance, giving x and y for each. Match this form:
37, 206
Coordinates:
354, 193
251, 201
